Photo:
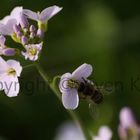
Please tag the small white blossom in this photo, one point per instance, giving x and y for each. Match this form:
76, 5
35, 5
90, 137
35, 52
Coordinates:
32, 51
9, 72
70, 97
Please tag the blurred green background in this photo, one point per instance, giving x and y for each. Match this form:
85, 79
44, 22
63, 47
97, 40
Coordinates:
104, 33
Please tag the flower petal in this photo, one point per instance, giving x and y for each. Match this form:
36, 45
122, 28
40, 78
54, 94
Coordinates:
3, 65
30, 14
82, 71
105, 133
63, 83
16, 65
11, 86
16, 12
10, 24
2, 40
7, 29
49, 12
5, 20
70, 131
70, 100
4, 30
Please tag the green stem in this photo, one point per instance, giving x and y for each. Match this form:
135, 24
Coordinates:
27, 66
57, 93
43, 74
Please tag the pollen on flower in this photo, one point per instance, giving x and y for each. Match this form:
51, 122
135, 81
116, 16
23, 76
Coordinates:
72, 83
32, 51
11, 72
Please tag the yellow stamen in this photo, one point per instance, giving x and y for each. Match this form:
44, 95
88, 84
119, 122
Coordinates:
32, 51
11, 71
73, 83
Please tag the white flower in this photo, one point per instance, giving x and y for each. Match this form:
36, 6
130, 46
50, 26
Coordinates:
9, 72
70, 98
44, 16
104, 133
15, 17
32, 51
69, 131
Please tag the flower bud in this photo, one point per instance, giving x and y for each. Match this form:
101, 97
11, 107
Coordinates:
9, 52
19, 34
25, 30
40, 33
24, 22
24, 40
32, 28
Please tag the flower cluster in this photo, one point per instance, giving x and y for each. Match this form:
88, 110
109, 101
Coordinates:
30, 37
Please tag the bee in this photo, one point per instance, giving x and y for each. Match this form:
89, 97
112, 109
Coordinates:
87, 89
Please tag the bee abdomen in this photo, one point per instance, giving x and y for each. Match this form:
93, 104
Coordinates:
86, 90
97, 97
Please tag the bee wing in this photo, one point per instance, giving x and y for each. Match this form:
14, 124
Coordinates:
94, 111
30, 14
105, 91
49, 12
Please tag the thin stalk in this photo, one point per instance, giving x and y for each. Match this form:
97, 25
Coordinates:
43, 74
27, 66
57, 93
